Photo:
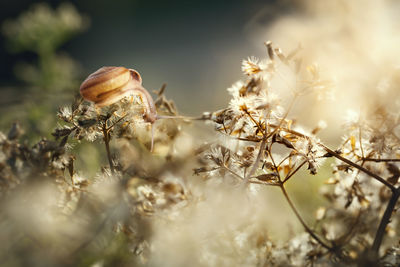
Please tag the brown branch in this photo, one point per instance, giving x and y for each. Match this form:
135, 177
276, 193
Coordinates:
359, 167
349, 162
338, 156
385, 220
392, 202
380, 160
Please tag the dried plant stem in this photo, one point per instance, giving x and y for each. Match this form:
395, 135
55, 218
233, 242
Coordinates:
281, 185
361, 168
385, 220
273, 161
389, 209
360, 140
255, 122
292, 173
257, 161
199, 118
119, 120
106, 136
264, 140
338, 156
380, 160
283, 160
349, 162
305, 226
232, 172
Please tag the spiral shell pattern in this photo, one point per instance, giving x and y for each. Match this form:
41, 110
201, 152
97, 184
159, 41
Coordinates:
108, 85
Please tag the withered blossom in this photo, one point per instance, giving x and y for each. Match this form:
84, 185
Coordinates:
251, 66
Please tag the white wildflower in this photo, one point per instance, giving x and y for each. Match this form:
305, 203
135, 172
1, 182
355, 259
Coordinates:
352, 118
65, 112
92, 136
234, 90
251, 66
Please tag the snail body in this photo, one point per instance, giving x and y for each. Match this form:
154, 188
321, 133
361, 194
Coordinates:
108, 85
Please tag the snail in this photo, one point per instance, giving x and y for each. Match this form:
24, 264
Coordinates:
108, 85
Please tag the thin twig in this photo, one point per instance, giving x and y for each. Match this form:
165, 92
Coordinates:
305, 226
283, 160
273, 161
256, 162
360, 140
106, 134
264, 183
292, 173
349, 162
232, 172
120, 119
338, 156
255, 122
361, 168
380, 160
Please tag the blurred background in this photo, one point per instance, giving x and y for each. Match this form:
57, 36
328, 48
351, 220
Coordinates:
196, 47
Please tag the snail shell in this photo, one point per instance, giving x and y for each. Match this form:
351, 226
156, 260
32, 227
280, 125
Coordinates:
108, 85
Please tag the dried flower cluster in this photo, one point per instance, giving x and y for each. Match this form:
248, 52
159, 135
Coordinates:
150, 209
